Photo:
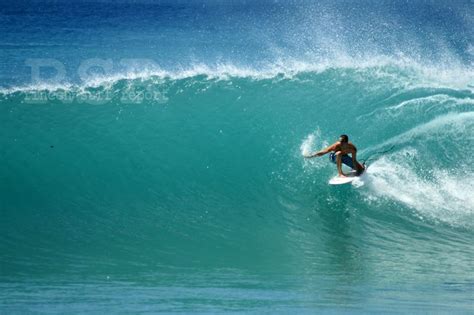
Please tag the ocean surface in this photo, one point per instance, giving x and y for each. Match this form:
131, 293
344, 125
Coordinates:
152, 157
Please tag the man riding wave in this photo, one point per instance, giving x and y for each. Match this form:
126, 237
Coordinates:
340, 154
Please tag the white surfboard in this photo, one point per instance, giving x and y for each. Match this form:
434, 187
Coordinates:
351, 176
336, 180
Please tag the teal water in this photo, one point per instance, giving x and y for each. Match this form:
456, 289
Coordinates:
152, 157
202, 200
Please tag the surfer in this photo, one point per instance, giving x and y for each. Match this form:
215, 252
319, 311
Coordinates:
340, 154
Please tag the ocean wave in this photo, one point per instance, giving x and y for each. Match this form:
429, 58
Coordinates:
429, 172
439, 195
398, 70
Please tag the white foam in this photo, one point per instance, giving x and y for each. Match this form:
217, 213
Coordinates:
441, 195
306, 147
419, 105
439, 99
450, 126
453, 74
310, 144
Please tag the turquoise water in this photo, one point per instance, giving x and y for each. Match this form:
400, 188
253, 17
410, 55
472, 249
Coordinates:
184, 188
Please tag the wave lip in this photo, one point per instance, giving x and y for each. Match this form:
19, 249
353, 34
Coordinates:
406, 72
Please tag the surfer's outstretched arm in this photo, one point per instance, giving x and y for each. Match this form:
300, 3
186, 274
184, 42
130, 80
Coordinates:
323, 151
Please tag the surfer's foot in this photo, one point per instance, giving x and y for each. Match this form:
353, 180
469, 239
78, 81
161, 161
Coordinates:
342, 175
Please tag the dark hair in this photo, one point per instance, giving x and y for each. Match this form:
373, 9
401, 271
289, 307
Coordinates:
345, 138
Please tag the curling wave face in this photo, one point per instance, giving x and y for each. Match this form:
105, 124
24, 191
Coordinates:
208, 144
193, 176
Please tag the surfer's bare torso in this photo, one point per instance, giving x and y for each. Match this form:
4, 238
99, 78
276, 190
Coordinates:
341, 148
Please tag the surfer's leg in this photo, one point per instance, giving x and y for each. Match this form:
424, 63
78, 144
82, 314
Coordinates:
339, 163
